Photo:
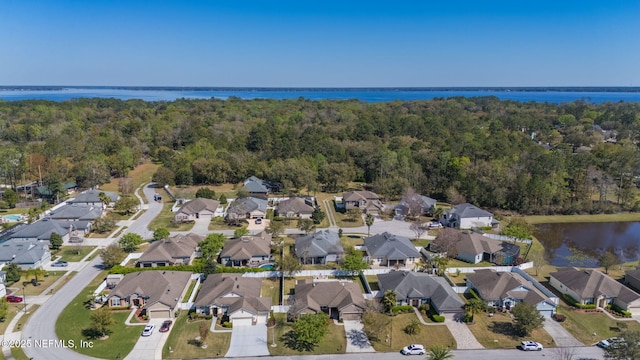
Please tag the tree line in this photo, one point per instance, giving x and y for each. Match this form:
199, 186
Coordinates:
526, 157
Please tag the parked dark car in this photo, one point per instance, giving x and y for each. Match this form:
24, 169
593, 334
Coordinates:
165, 326
59, 264
14, 299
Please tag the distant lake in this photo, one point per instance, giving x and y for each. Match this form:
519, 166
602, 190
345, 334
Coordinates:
363, 94
580, 244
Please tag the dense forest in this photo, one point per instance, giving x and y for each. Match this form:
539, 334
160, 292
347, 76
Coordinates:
524, 157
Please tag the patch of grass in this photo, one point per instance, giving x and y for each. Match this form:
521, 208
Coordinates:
189, 192
13, 310
334, 342
19, 354
393, 337
351, 240
271, 288
63, 282
142, 196
496, 332
43, 283
373, 282
455, 263
72, 253
192, 286
343, 221
25, 317
141, 174
120, 342
584, 325
164, 220
218, 223
181, 338
548, 219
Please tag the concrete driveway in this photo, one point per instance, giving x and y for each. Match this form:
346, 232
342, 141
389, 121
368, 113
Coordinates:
357, 340
248, 340
147, 346
559, 334
201, 226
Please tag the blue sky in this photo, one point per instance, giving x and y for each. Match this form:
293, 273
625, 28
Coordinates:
320, 43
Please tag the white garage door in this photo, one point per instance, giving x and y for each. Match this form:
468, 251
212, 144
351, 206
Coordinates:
242, 321
634, 310
160, 314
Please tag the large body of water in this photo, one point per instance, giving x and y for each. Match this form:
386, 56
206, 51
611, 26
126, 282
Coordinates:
580, 244
550, 95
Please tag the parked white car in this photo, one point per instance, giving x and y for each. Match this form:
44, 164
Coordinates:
413, 349
530, 345
148, 330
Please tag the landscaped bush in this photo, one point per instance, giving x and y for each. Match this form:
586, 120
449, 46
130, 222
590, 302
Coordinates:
467, 318
586, 306
401, 309
440, 318
227, 324
617, 310
195, 316
559, 317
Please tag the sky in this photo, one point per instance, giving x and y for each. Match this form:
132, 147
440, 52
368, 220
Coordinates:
327, 43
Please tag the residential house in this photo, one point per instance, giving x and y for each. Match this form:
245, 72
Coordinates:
92, 197
256, 187
503, 290
296, 207
157, 292
247, 208
467, 216
367, 201
319, 248
474, 248
45, 192
632, 278
338, 299
235, 297
247, 250
391, 250
417, 201
176, 250
196, 209
77, 212
594, 287
416, 288
28, 254
42, 230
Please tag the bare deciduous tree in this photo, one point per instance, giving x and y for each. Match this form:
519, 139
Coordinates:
446, 242
418, 229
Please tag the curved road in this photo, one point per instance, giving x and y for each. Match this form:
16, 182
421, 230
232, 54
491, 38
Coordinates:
41, 325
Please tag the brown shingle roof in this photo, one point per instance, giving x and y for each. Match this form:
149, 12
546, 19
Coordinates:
164, 287
179, 246
296, 205
247, 246
234, 291
492, 286
332, 294
197, 205
474, 243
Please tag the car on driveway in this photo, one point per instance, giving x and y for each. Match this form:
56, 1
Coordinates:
59, 264
148, 330
613, 342
14, 299
530, 346
434, 225
413, 349
258, 221
166, 325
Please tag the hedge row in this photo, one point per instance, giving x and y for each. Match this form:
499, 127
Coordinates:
399, 309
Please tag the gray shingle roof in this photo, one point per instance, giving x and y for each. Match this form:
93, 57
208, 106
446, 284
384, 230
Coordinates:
255, 185
320, 244
467, 210
393, 247
413, 285
23, 251
425, 202
296, 205
247, 205
359, 195
593, 283
78, 211
92, 196
41, 230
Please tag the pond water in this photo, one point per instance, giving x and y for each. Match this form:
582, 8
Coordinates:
580, 244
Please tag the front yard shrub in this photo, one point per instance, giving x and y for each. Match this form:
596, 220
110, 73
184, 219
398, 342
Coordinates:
227, 324
413, 328
559, 317
401, 309
440, 318
617, 310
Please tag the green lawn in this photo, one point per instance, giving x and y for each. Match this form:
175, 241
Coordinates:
373, 282
73, 253
120, 342
343, 222
141, 174
351, 240
546, 219
271, 288
192, 285
180, 344
13, 310
334, 342
584, 325
164, 220
496, 332
218, 223
30, 290
393, 337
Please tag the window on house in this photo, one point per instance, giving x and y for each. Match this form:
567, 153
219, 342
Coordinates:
115, 301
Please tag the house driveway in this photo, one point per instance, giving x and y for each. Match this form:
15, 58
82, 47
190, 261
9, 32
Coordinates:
460, 331
248, 340
560, 334
150, 347
201, 226
357, 340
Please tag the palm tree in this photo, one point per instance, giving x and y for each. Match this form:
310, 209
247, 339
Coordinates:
368, 220
104, 198
439, 353
35, 273
474, 306
437, 212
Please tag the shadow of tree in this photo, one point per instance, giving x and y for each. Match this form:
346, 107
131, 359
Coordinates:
504, 328
292, 342
358, 338
195, 342
91, 333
